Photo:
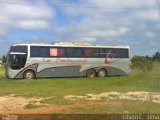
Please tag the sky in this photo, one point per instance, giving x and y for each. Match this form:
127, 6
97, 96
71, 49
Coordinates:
100, 22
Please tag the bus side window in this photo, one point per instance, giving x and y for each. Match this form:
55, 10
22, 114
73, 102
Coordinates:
107, 52
124, 53
120, 53
61, 52
69, 52
87, 52
102, 53
78, 52
43, 52
53, 52
37, 51
113, 53
90, 52
74, 52
57, 52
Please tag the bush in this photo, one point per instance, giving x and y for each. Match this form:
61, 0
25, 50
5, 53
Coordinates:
141, 63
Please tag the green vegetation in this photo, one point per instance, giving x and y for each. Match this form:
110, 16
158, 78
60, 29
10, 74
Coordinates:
141, 63
31, 106
58, 100
60, 87
136, 81
155, 57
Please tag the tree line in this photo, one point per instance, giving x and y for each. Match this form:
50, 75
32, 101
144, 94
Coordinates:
144, 63
155, 57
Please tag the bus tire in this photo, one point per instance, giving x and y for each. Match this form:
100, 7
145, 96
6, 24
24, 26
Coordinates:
102, 73
29, 74
91, 73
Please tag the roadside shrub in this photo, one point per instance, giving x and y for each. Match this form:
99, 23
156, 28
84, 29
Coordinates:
141, 63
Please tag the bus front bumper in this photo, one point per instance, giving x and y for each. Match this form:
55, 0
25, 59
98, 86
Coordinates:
10, 73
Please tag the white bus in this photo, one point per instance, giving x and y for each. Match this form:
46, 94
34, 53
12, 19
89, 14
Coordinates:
71, 59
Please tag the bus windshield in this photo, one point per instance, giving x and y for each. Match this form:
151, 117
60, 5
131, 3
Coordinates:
20, 49
16, 61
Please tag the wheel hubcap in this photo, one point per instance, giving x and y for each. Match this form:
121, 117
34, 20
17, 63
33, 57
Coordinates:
29, 75
102, 73
91, 74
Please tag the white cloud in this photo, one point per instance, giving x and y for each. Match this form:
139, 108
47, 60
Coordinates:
87, 39
27, 11
84, 24
24, 15
150, 35
123, 3
95, 22
32, 24
148, 15
109, 33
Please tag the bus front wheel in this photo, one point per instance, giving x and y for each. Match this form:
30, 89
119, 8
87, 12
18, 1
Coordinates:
29, 74
91, 73
102, 73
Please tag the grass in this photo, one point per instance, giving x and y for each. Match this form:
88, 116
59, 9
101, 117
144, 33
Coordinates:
59, 101
31, 106
136, 81
59, 87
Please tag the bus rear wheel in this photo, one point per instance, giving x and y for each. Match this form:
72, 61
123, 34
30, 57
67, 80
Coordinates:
91, 73
29, 74
102, 73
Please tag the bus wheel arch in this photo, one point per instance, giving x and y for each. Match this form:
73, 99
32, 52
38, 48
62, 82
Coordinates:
102, 72
29, 74
91, 72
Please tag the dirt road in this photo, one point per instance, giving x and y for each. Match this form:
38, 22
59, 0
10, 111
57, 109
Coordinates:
17, 104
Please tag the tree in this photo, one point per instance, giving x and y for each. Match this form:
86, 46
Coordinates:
156, 57
148, 57
141, 63
4, 59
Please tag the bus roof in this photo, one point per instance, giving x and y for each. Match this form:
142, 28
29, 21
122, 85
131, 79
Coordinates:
72, 45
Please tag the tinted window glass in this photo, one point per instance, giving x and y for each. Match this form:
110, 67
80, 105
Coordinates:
113, 52
37, 51
59, 52
78, 52
87, 52
122, 53
53, 51
69, 52
74, 52
90, 52
22, 49
104, 52
18, 61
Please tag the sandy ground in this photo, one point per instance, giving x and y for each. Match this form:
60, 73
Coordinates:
16, 104
141, 96
13, 102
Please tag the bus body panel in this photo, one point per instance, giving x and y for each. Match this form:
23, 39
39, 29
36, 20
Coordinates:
52, 68
70, 67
